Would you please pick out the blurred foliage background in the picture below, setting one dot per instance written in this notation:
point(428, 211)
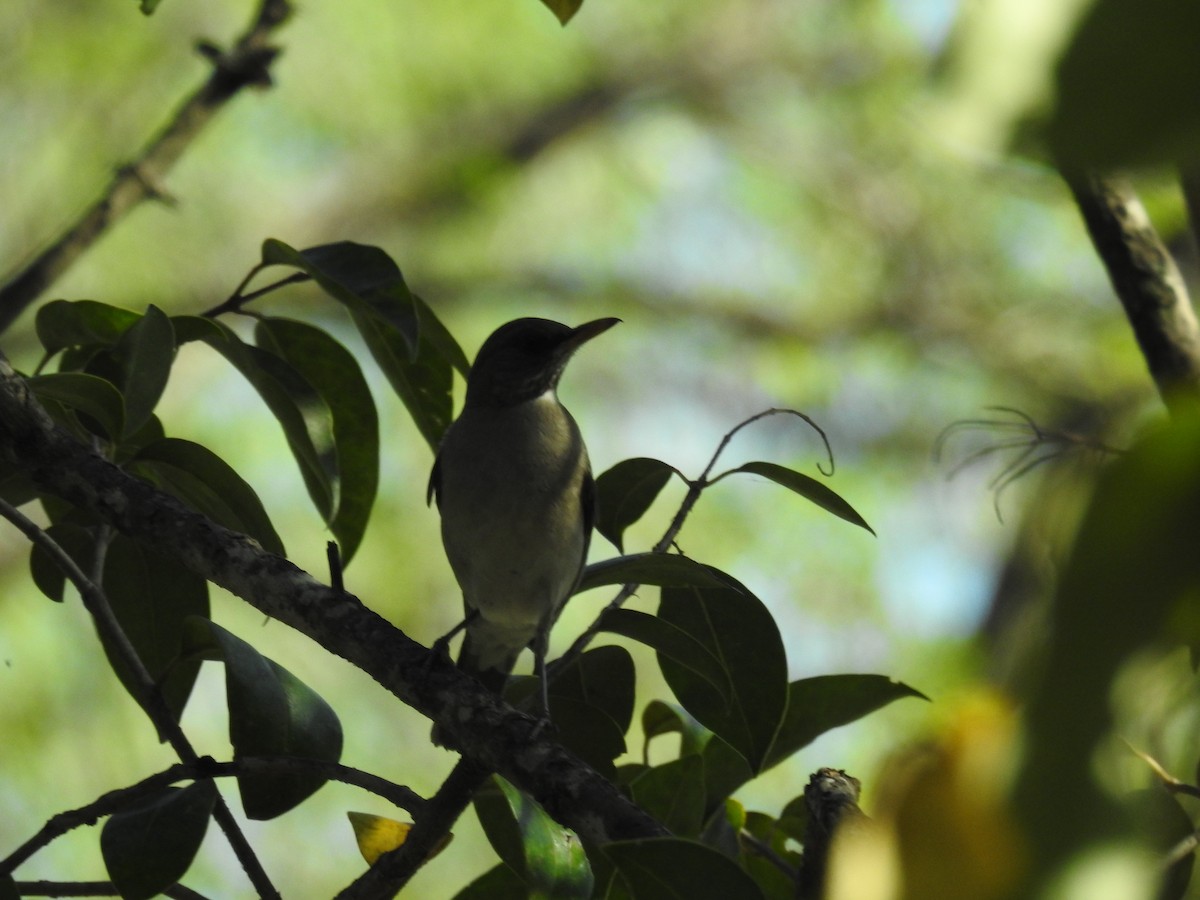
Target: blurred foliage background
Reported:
point(802, 203)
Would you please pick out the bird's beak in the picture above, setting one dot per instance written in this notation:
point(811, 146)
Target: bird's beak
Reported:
point(585, 333)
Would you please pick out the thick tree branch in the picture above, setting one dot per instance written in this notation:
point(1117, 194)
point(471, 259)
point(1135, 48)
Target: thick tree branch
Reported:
point(246, 65)
point(489, 732)
point(1146, 281)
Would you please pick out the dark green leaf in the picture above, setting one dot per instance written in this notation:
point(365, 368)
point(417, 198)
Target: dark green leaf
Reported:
point(725, 770)
point(1125, 86)
point(271, 713)
point(497, 883)
point(306, 419)
point(736, 628)
point(62, 323)
point(149, 846)
point(364, 279)
point(16, 486)
point(423, 383)
point(78, 543)
point(625, 492)
point(678, 869)
point(149, 6)
point(94, 398)
point(145, 352)
point(673, 793)
point(335, 374)
point(440, 339)
point(665, 569)
point(816, 705)
point(208, 484)
point(152, 596)
point(591, 705)
point(806, 487)
point(670, 641)
point(563, 10)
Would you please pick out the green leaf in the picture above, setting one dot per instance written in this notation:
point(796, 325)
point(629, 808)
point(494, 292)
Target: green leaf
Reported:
point(673, 793)
point(363, 278)
point(63, 323)
point(774, 884)
point(208, 484)
point(664, 569)
point(439, 338)
point(736, 628)
point(725, 770)
point(145, 353)
point(422, 382)
point(149, 6)
point(1162, 824)
point(95, 398)
point(78, 542)
point(149, 846)
point(305, 417)
point(1125, 86)
point(591, 705)
point(152, 596)
point(817, 705)
point(547, 857)
point(671, 642)
point(16, 485)
point(625, 492)
point(333, 371)
point(677, 869)
point(806, 487)
point(271, 713)
point(563, 10)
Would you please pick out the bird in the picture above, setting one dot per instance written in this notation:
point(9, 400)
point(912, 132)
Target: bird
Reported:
point(514, 487)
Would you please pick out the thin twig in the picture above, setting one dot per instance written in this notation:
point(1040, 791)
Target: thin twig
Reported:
point(763, 849)
point(237, 299)
point(144, 689)
point(246, 65)
point(93, 889)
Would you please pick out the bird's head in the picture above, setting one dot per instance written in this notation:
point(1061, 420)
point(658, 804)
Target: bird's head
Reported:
point(524, 358)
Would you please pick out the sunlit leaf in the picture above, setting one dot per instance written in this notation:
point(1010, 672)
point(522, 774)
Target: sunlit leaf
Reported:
point(548, 858)
point(625, 492)
point(334, 373)
point(149, 846)
point(806, 487)
point(660, 717)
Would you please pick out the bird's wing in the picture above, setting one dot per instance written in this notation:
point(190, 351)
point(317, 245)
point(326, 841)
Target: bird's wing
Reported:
point(587, 504)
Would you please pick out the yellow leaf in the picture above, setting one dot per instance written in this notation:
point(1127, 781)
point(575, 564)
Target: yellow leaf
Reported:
point(376, 835)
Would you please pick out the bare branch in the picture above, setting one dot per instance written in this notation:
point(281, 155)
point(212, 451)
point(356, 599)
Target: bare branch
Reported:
point(1147, 283)
point(246, 65)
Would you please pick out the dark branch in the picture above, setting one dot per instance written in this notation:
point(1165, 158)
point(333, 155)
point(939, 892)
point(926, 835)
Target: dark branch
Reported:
point(246, 65)
point(1147, 282)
